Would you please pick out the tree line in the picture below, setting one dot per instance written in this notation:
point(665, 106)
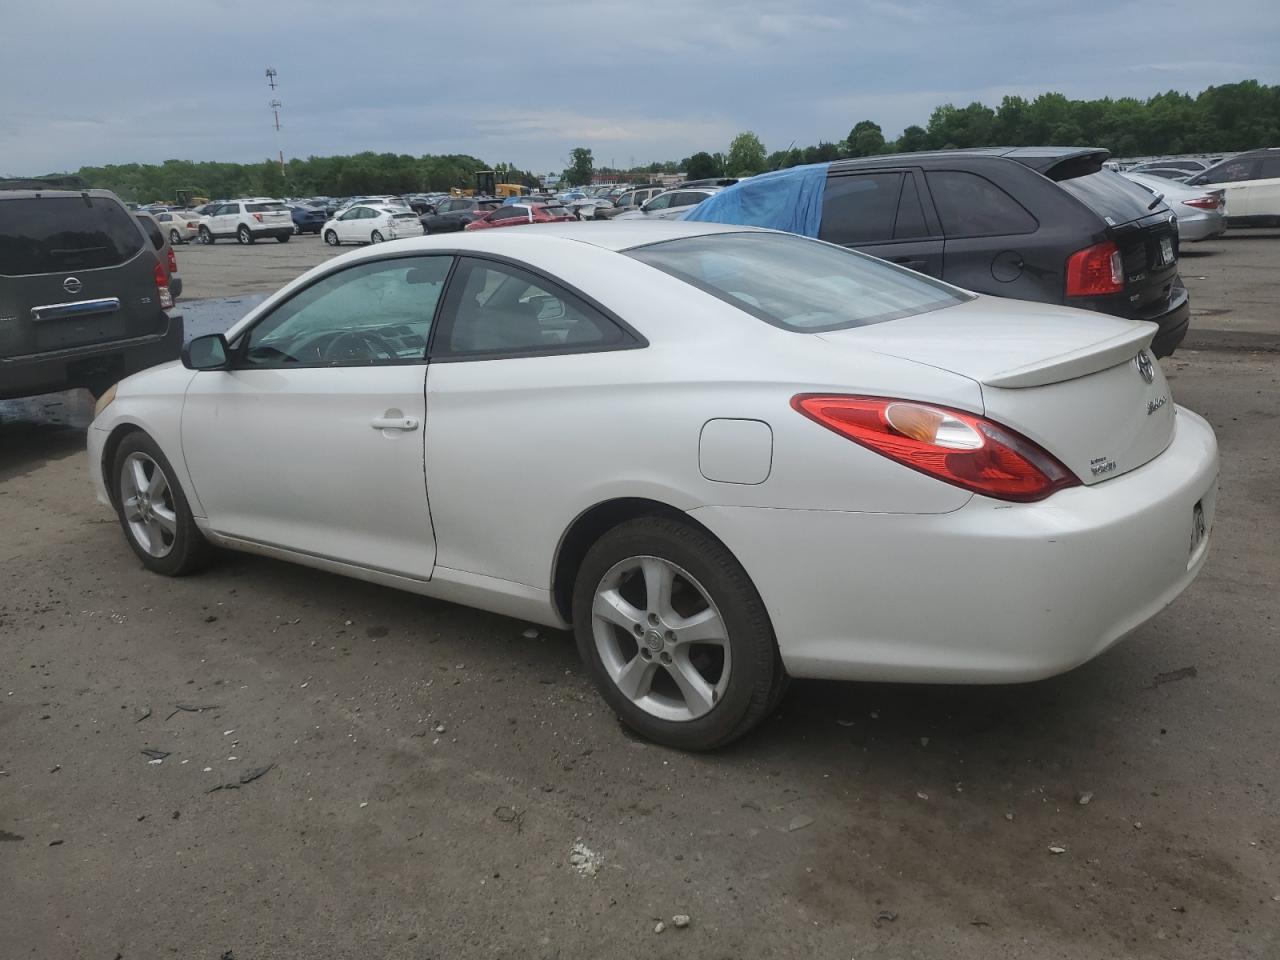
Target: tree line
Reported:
point(1220, 119)
point(344, 176)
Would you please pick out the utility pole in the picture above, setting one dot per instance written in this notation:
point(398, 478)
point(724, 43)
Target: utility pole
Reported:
point(275, 106)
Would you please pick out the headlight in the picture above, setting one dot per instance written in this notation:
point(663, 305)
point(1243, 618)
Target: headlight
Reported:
point(104, 401)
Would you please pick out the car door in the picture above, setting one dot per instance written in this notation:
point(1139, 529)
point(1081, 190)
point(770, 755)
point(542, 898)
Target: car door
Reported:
point(508, 347)
point(226, 220)
point(312, 439)
point(349, 226)
point(992, 243)
point(883, 213)
point(1264, 192)
point(1236, 177)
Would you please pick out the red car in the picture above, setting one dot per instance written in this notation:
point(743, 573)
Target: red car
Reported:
point(513, 214)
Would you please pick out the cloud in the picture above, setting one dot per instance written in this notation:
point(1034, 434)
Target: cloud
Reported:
point(525, 83)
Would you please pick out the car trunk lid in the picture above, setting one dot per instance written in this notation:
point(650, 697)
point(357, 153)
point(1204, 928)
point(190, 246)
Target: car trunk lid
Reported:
point(1074, 382)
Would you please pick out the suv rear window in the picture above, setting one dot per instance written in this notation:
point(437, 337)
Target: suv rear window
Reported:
point(260, 207)
point(153, 231)
point(54, 234)
point(795, 283)
point(1110, 196)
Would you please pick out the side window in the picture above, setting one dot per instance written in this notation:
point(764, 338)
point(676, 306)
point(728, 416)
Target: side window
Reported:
point(502, 309)
point(353, 214)
point(1232, 171)
point(626, 200)
point(229, 210)
point(860, 208)
point(370, 314)
point(910, 223)
point(507, 213)
point(688, 199)
point(1268, 168)
point(660, 202)
point(153, 231)
point(972, 206)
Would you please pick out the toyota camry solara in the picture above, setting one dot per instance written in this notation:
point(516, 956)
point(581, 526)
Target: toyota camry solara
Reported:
point(723, 457)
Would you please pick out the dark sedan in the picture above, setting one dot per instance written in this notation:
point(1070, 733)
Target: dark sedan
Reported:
point(454, 213)
point(308, 218)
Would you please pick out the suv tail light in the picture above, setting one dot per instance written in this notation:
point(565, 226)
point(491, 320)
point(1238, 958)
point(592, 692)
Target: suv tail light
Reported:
point(959, 448)
point(1095, 271)
point(162, 286)
point(1211, 202)
point(258, 217)
point(173, 262)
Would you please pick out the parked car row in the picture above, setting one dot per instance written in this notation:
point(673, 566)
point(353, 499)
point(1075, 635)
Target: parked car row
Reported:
point(1250, 181)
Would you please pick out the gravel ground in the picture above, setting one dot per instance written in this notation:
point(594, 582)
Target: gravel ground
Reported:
point(442, 786)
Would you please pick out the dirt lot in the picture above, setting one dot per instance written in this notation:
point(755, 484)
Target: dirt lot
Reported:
point(432, 768)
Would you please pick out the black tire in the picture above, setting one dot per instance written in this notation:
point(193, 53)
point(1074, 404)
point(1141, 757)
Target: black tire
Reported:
point(754, 684)
point(190, 550)
point(331, 238)
point(175, 238)
point(244, 236)
point(297, 229)
point(376, 237)
point(284, 237)
point(205, 236)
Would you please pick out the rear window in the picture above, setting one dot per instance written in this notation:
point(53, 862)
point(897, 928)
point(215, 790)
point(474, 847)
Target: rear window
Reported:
point(1110, 196)
point(54, 234)
point(795, 283)
point(972, 206)
point(263, 207)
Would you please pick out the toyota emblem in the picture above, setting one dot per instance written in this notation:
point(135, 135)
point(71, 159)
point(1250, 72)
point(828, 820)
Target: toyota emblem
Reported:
point(72, 285)
point(1145, 366)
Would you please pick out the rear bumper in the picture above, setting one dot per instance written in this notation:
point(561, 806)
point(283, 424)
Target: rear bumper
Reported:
point(989, 593)
point(271, 232)
point(100, 364)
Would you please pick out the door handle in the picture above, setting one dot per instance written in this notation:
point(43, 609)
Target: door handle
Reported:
point(910, 264)
point(394, 423)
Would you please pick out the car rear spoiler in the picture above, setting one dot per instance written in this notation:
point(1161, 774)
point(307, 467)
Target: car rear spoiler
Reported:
point(1061, 163)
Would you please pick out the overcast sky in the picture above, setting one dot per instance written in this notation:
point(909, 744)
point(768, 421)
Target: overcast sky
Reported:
point(117, 81)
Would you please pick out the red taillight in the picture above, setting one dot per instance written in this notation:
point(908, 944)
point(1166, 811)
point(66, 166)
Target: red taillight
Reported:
point(959, 448)
point(173, 262)
point(1204, 203)
point(258, 217)
point(162, 286)
point(1095, 271)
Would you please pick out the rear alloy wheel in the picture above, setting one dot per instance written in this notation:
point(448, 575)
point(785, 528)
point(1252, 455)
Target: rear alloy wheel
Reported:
point(331, 238)
point(674, 634)
point(205, 235)
point(175, 238)
point(153, 511)
point(244, 236)
point(375, 237)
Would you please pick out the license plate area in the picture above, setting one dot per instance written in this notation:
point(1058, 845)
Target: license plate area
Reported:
point(78, 331)
point(1166, 251)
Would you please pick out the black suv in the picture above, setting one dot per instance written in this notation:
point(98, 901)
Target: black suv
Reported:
point(1034, 223)
point(82, 293)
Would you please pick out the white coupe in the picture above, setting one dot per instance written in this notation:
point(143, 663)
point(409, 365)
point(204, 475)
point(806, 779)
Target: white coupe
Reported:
point(722, 456)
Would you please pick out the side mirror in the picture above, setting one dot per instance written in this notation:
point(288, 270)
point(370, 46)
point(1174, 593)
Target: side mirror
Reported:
point(206, 353)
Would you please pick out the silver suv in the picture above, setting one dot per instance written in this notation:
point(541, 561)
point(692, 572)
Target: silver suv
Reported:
point(671, 204)
point(83, 294)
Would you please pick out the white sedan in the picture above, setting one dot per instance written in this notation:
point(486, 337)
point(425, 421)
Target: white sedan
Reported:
point(371, 223)
point(722, 456)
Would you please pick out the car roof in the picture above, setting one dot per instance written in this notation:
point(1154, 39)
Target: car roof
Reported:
point(1040, 159)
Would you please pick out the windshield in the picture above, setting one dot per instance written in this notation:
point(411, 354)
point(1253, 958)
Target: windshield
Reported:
point(796, 283)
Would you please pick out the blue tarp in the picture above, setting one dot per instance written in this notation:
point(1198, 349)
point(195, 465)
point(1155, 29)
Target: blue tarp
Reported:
point(788, 200)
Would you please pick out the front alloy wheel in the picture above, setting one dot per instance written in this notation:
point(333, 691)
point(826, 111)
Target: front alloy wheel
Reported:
point(153, 510)
point(675, 635)
point(331, 238)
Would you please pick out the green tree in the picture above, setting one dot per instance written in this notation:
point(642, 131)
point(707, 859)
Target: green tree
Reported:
point(581, 167)
point(866, 139)
point(701, 166)
point(913, 138)
point(746, 155)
